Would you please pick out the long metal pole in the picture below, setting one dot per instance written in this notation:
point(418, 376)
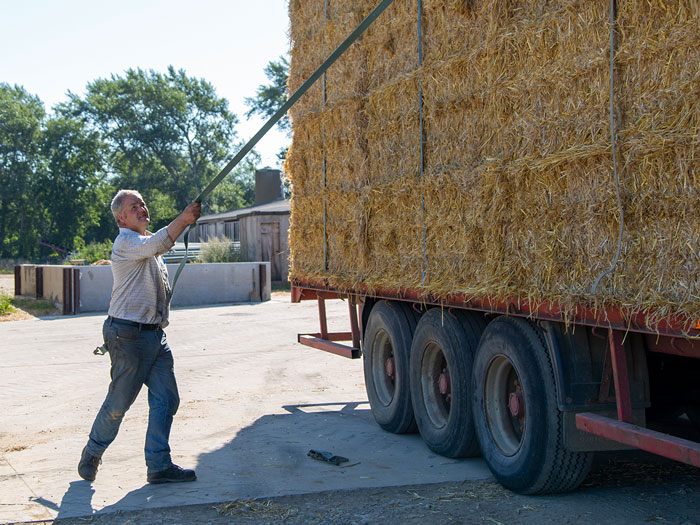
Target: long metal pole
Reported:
point(344, 45)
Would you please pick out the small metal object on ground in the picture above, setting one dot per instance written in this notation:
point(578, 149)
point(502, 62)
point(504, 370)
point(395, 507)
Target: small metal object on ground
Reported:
point(323, 455)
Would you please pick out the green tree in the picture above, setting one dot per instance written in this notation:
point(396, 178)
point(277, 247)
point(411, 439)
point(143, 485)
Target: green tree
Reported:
point(72, 184)
point(163, 134)
point(21, 117)
point(271, 97)
point(237, 190)
point(95, 251)
point(167, 134)
point(101, 227)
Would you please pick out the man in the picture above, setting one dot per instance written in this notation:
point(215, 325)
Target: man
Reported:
point(133, 334)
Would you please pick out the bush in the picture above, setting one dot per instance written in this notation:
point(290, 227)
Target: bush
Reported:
point(95, 251)
point(5, 305)
point(218, 251)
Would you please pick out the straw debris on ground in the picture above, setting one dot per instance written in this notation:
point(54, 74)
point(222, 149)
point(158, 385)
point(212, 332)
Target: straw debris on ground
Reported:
point(255, 510)
point(516, 195)
point(671, 497)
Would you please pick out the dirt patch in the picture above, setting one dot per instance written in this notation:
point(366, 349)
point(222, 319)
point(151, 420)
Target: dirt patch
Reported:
point(17, 315)
point(12, 448)
point(29, 308)
point(23, 307)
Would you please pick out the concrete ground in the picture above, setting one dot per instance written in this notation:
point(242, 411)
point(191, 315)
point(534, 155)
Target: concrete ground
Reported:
point(254, 402)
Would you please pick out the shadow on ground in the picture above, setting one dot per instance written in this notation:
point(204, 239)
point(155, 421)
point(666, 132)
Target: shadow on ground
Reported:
point(270, 458)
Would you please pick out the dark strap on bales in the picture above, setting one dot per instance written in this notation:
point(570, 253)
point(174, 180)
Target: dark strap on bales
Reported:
point(613, 147)
point(422, 145)
point(344, 45)
point(323, 105)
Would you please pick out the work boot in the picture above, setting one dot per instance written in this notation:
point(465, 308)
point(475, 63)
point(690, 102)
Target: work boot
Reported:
point(172, 474)
point(87, 468)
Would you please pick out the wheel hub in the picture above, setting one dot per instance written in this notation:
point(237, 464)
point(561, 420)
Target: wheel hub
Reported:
point(444, 383)
point(389, 367)
point(516, 404)
point(504, 405)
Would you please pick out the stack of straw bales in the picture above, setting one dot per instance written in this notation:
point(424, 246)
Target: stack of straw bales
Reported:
point(517, 196)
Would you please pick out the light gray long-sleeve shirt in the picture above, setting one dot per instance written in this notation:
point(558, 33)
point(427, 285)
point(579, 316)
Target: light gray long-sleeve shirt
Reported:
point(141, 287)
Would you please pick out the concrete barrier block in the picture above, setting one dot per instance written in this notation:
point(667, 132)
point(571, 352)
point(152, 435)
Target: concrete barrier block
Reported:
point(28, 279)
point(199, 284)
point(53, 283)
point(216, 283)
point(95, 288)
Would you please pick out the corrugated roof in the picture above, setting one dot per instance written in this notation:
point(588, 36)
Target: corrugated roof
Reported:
point(278, 207)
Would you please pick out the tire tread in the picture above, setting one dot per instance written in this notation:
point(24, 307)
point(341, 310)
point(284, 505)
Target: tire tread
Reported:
point(560, 470)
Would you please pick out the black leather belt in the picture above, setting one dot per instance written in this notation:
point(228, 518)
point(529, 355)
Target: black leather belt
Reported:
point(140, 326)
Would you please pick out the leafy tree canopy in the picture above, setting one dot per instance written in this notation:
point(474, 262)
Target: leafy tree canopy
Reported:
point(166, 133)
point(21, 119)
point(271, 97)
point(72, 183)
point(237, 190)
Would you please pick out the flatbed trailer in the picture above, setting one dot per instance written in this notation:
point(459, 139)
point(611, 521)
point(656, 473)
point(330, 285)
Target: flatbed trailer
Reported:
point(535, 388)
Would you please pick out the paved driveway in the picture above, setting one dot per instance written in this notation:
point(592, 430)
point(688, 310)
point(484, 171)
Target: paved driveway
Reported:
point(254, 402)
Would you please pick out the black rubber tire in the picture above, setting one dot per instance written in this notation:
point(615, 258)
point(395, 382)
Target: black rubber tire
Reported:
point(388, 335)
point(526, 454)
point(443, 347)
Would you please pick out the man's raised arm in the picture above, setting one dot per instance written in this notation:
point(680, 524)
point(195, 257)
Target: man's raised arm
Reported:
point(189, 216)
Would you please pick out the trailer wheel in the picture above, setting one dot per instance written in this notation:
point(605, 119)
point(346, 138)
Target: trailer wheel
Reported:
point(441, 367)
point(386, 351)
point(518, 423)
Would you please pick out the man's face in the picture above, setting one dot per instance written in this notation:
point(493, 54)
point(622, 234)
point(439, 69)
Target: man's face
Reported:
point(134, 214)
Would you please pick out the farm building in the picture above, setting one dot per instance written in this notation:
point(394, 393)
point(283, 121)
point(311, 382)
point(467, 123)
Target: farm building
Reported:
point(260, 230)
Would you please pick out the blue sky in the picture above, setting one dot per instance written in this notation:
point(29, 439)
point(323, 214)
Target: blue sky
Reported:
point(53, 46)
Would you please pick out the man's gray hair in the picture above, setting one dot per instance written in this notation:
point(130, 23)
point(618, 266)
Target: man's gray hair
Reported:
point(118, 201)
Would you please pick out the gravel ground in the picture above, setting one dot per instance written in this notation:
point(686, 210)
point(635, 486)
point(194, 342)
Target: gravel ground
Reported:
point(7, 284)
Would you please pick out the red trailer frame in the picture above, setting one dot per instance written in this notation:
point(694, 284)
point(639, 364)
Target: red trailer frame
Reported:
point(677, 335)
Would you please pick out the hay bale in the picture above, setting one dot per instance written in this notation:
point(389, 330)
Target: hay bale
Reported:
point(660, 81)
point(516, 196)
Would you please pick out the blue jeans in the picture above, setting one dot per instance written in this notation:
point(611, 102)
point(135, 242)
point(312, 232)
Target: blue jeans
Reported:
point(139, 357)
